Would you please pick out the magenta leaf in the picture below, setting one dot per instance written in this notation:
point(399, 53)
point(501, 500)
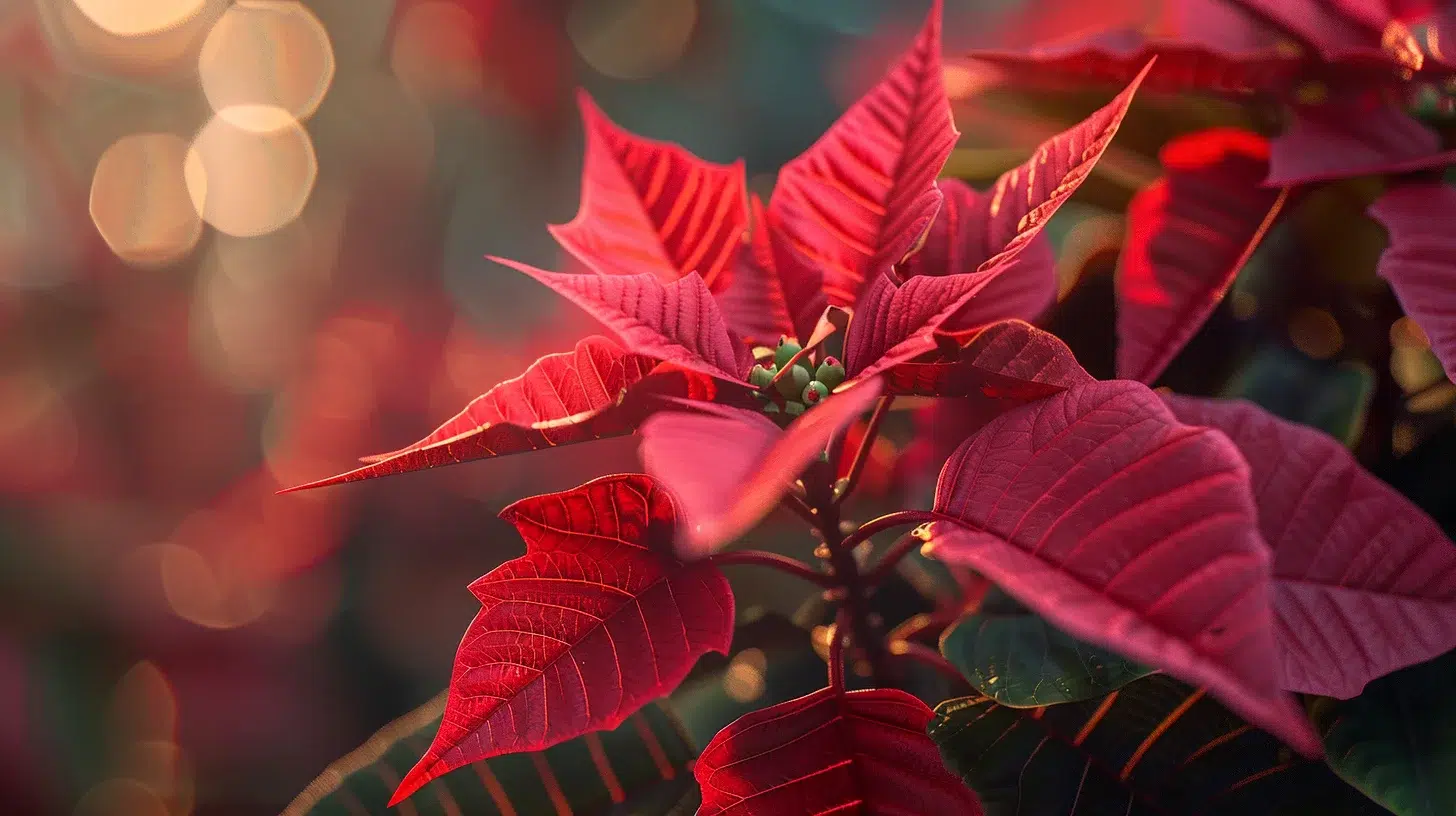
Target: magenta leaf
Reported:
point(754, 302)
point(1009, 360)
point(831, 752)
point(958, 242)
point(1319, 25)
point(729, 468)
point(1187, 237)
point(1420, 262)
point(1124, 528)
point(1364, 582)
point(897, 322)
point(1359, 138)
point(1024, 197)
point(650, 206)
point(597, 619)
point(677, 322)
point(859, 199)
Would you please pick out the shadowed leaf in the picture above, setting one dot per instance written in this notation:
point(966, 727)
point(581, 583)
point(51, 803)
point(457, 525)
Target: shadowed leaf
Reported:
point(1009, 360)
point(754, 303)
point(1344, 140)
point(1420, 262)
point(897, 322)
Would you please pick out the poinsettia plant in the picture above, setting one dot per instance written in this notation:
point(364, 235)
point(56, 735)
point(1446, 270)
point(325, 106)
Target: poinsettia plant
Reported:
point(1143, 584)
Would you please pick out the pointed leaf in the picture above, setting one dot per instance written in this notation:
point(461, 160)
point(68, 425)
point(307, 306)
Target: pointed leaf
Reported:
point(754, 303)
point(597, 619)
point(957, 243)
point(1364, 582)
point(1155, 747)
point(1393, 742)
point(831, 752)
point(1188, 235)
point(1025, 197)
point(1420, 262)
point(1122, 527)
point(652, 207)
point(678, 322)
point(730, 468)
point(859, 199)
point(1344, 140)
point(1018, 659)
point(635, 763)
point(1011, 359)
point(897, 322)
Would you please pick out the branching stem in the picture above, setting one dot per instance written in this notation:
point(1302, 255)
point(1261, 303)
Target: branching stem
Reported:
point(846, 486)
point(782, 563)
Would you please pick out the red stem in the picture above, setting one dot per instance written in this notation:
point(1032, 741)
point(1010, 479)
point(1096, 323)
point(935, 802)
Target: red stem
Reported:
point(886, 522)
point(782, 563)
point(862, 454)
point(836, 649)
point(929, 657)
point(906, 544)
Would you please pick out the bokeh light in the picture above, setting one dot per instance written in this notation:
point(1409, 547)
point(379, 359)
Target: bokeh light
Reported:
point(1316, 333)
point(250, 169)
point(274, 54)
point(435, 54)
point(139, 201)
point(631, 39)
point(132, 18)
point(744, 682)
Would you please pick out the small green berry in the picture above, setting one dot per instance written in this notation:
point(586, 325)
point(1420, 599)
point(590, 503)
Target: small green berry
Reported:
point(792, 384)
point(793, 408)
point(771, 408)
point(814, 393)
point(830, 372)
point(760, 377)
point(786, 351)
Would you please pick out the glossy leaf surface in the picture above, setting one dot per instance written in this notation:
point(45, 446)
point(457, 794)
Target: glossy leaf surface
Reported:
point(1187, 237)
point(1018, 659)
point(830, 752)
point(1420, 262)
point(596, 620)
point(1364, 582)
point(641, 765)
point(1127, 529)
point(858, 200)
point(1156, 747)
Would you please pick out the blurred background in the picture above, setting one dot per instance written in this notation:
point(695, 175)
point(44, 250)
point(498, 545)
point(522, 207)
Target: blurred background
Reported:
point(241, 244)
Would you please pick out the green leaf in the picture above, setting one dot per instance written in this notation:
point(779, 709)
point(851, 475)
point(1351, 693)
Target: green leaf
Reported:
point(1156, 747)
point(640, 768)
point(1328, 395)
point(1397, 740)
point(1012, 656)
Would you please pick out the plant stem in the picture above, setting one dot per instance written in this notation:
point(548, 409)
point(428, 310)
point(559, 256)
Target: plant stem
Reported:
point(929, 657)
point(836, 650)
point(782, 563)
point(888, 521)
point(903, 546)
point(797, 504)
point(847, 485)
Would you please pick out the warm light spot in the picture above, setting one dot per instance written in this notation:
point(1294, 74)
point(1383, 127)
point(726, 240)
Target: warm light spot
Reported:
point(1407, 333)
point(819, 638)
point(1244, 305)
point(631, 39)
point(139, 200)
point(1312, 93)
point(143, 706)
point(134, 18)
point(1438, 397)
point(1402, 46)
point(435, 54)
point(960, 81)
point(274, 54)
point(1415, 368)
point(121, 797)
point(250, 170)
point(744, 682)
point(1402, 438)
point(210, 597)
point(1088, 239)
point(1316, 333)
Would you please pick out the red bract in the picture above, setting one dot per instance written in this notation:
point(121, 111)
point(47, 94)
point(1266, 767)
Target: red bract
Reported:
point(1420, 262)
point(828, 752)
point(1011, 360)
point(1125, 528)
point(1340, 140)
point(597, 619)
point(1364, 582)
point(1187, 237)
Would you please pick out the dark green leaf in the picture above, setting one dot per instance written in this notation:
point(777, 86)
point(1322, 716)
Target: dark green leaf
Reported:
point(638, 768)
point(1331, 396)
point(1156, 747)
point(1016, 658)
point(1397, 740)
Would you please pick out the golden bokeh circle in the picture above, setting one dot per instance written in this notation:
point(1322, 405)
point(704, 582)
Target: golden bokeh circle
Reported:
point(274, 54)
point(250, 170)
point(139, 200)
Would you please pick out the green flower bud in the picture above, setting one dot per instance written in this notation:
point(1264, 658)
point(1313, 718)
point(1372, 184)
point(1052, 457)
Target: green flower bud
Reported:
point(814, 393)
point(786, 351)
point(793, 408)
point(830, 372)
point(792, 384)
point(771, 408)
point(760, 377)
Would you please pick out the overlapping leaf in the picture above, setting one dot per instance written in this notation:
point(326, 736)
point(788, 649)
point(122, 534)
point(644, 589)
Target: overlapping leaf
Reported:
point(1127, 529)
point(730, 467)
point(859, 199)
point(641, 765)
point(1187, 237)
point(1347, 139)
point(597, 619)
point(1420, 262)
point(677, 322)
point(1009, 360)
point(1157, 746)
point(897, 322)
point(652, 207)
point(831, 752)
point(1018, 659)
point(1364, 582)
point(754, 302)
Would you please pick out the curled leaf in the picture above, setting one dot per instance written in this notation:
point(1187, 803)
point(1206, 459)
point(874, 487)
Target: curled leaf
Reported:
point(1420, 262)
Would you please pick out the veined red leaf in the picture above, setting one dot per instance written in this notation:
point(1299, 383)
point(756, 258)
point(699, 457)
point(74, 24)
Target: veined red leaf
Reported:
point(859, 199)
point(1343, 140)
point(730, 468)
point(1364, 582)
point(561, 399)
point(831, 752)
point(1319, 25)
point(1025, 197)
point(676, 322)
point(1420, 262)
point(754, 303)
point(597, 619)
point(652, 207)
point(897, 322)
point(1011, 359)
point(1127, 529)
point(1187, 237)
point(957, 243)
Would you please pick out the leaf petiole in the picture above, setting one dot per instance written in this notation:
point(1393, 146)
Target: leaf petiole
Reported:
point(782, 563)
